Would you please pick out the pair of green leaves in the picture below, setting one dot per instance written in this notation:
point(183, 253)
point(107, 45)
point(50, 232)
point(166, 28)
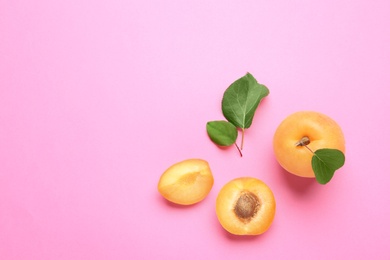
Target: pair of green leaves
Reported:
point(239, 104)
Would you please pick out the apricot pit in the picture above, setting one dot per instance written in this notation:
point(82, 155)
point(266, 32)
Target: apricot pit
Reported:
point(246, 206)
point(186, 182)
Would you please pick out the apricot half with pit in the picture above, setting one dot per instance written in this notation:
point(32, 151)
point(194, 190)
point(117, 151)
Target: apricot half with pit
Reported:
point(186, 182)
point(245, 206)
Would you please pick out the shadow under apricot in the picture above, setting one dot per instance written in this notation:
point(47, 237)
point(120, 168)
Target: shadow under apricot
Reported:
point(174, 205)
point(239, 238)
point(298, 185)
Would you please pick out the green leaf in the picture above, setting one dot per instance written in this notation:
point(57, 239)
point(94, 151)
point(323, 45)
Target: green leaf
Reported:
point(222, 132)
point(325, 162)
point(241, 100)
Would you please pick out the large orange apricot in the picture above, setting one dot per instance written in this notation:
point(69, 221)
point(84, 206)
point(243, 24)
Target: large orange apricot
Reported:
point(245, 206)
point(306, 128)
point(186, 182)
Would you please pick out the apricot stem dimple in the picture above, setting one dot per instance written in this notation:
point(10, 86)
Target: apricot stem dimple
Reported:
point(303, 142)
point(247, 206)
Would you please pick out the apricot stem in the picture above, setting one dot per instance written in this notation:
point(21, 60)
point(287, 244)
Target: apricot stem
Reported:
point(309, 149)
point(238, 148)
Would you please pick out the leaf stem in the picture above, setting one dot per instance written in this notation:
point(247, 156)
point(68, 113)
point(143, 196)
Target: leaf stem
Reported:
point(242, 138)
point(238, 148)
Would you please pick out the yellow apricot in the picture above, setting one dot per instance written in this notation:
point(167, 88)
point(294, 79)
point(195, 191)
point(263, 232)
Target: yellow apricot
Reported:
point(245, 206)
point(186, 182)
point(302, 128)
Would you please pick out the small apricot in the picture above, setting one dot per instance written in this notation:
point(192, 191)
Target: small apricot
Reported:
point(245, 206)
point(186, 182)
point(305, 128)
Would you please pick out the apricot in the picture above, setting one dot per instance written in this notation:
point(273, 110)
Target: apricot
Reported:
point(186, 182)
point(301, 134)
point(245, 206)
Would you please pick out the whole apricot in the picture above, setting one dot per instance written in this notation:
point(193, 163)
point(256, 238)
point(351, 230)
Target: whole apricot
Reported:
point(186, 182)
point(301, 134)
point(245, 206)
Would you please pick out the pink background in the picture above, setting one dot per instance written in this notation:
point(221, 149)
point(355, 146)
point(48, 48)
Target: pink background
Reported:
point(98, 98)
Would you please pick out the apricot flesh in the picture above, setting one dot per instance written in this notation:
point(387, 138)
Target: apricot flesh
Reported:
point(186, 182)
point(310, 128)
point(245, 206)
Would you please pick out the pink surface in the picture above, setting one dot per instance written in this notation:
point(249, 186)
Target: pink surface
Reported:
point(98, 98)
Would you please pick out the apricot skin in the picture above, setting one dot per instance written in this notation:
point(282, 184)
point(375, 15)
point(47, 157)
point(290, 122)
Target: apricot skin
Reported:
point(263, 212)
point(322, 131)
point(186, 182)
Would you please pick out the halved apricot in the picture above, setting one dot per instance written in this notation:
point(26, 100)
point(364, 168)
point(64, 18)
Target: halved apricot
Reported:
point(245, 206)
point(186, 182)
